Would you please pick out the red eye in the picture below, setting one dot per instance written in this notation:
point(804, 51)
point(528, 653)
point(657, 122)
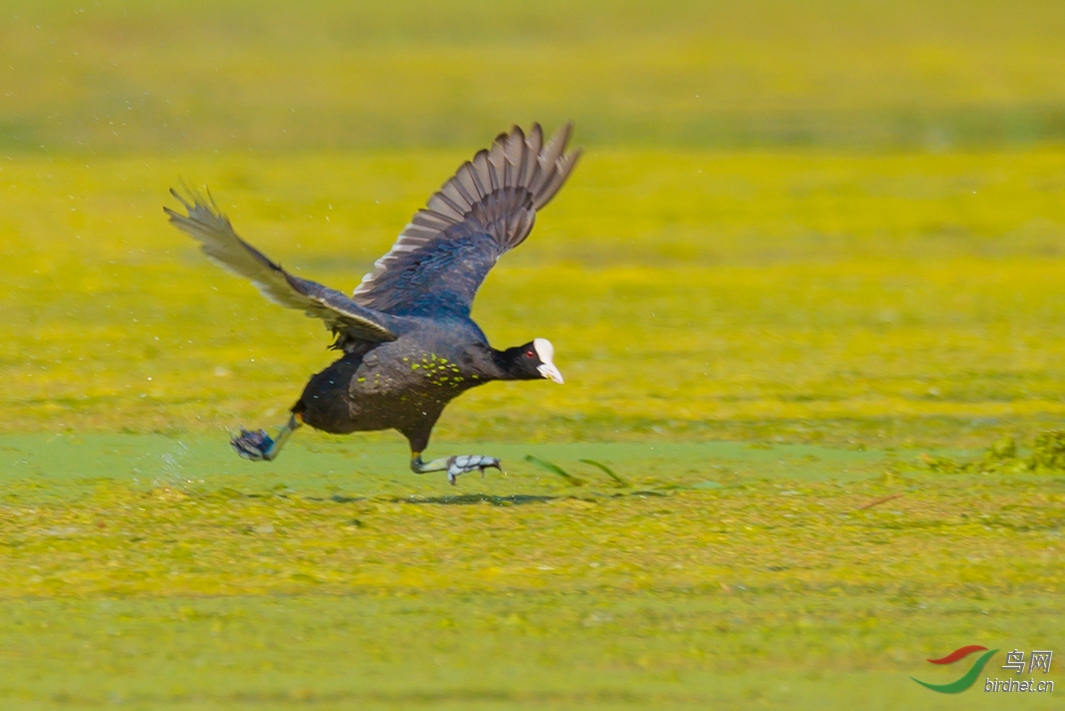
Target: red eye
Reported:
point(528, 354)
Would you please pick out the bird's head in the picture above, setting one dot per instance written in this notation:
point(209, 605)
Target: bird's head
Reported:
point(532, 361)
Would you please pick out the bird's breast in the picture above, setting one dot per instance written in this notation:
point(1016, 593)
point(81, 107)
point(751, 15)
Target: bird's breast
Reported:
point(429, 371)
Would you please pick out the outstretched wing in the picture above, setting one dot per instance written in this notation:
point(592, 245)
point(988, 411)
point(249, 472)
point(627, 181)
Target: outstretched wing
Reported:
point(487, 208)
point(206, 224)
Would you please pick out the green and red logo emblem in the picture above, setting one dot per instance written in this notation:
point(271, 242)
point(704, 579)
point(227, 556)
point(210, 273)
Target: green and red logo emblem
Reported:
point(968, 678)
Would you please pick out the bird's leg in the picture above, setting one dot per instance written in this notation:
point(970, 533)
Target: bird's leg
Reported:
point(453, 465)
point(258, 445)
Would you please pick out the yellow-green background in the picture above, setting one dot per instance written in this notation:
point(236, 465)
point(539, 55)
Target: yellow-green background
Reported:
point(807, 243)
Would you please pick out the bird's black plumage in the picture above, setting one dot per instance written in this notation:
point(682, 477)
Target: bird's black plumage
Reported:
point(409, 344)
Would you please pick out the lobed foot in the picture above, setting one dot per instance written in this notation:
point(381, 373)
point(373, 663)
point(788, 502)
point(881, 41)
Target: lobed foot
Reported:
point(464, 463)
point(255, 446)
point(259, 446)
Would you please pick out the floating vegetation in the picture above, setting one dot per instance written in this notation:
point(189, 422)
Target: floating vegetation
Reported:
point(547, 466)
point(606, 470)
point(698, 283)
point(554, 469)
point(854, 333)
point(1047, 456)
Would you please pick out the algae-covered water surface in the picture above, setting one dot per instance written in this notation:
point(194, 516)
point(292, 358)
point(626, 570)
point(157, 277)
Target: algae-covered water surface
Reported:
point(150, 571)
point(806, 287)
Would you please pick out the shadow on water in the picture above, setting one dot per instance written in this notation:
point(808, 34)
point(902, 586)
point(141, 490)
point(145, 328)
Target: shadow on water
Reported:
point(468, 499)
point(464, 499)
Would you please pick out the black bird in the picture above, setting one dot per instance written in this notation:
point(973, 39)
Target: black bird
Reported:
point(409, 343)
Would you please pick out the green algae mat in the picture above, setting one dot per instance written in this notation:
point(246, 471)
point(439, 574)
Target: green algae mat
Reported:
point(807, 289)
point(159, 572)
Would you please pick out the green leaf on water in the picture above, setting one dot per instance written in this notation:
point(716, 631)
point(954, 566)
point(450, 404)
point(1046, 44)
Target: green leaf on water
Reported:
point(609, 472)
point(554, 469)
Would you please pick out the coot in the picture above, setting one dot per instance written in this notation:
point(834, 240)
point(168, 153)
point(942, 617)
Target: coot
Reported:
point(409, 344)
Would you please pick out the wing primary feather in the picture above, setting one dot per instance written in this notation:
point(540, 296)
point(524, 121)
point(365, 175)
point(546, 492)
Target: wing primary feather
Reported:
point(426, 219)
point(551, 188)
point(485, 209)
point(496, 160)
point(512, 154)
point(459, 209)
point(557, 145)
point(528, 159)
point(535, 139)
point(443, 216)
point(213, 230)
point(463, 172)
point(180, 198)
point(471, 182)
point(421, 233)
point(480, 172)
point(452, 192)
point(442, 207)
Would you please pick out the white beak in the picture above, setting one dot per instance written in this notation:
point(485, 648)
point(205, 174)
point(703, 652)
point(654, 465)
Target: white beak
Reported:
point(546, 352)
point(548, 370)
